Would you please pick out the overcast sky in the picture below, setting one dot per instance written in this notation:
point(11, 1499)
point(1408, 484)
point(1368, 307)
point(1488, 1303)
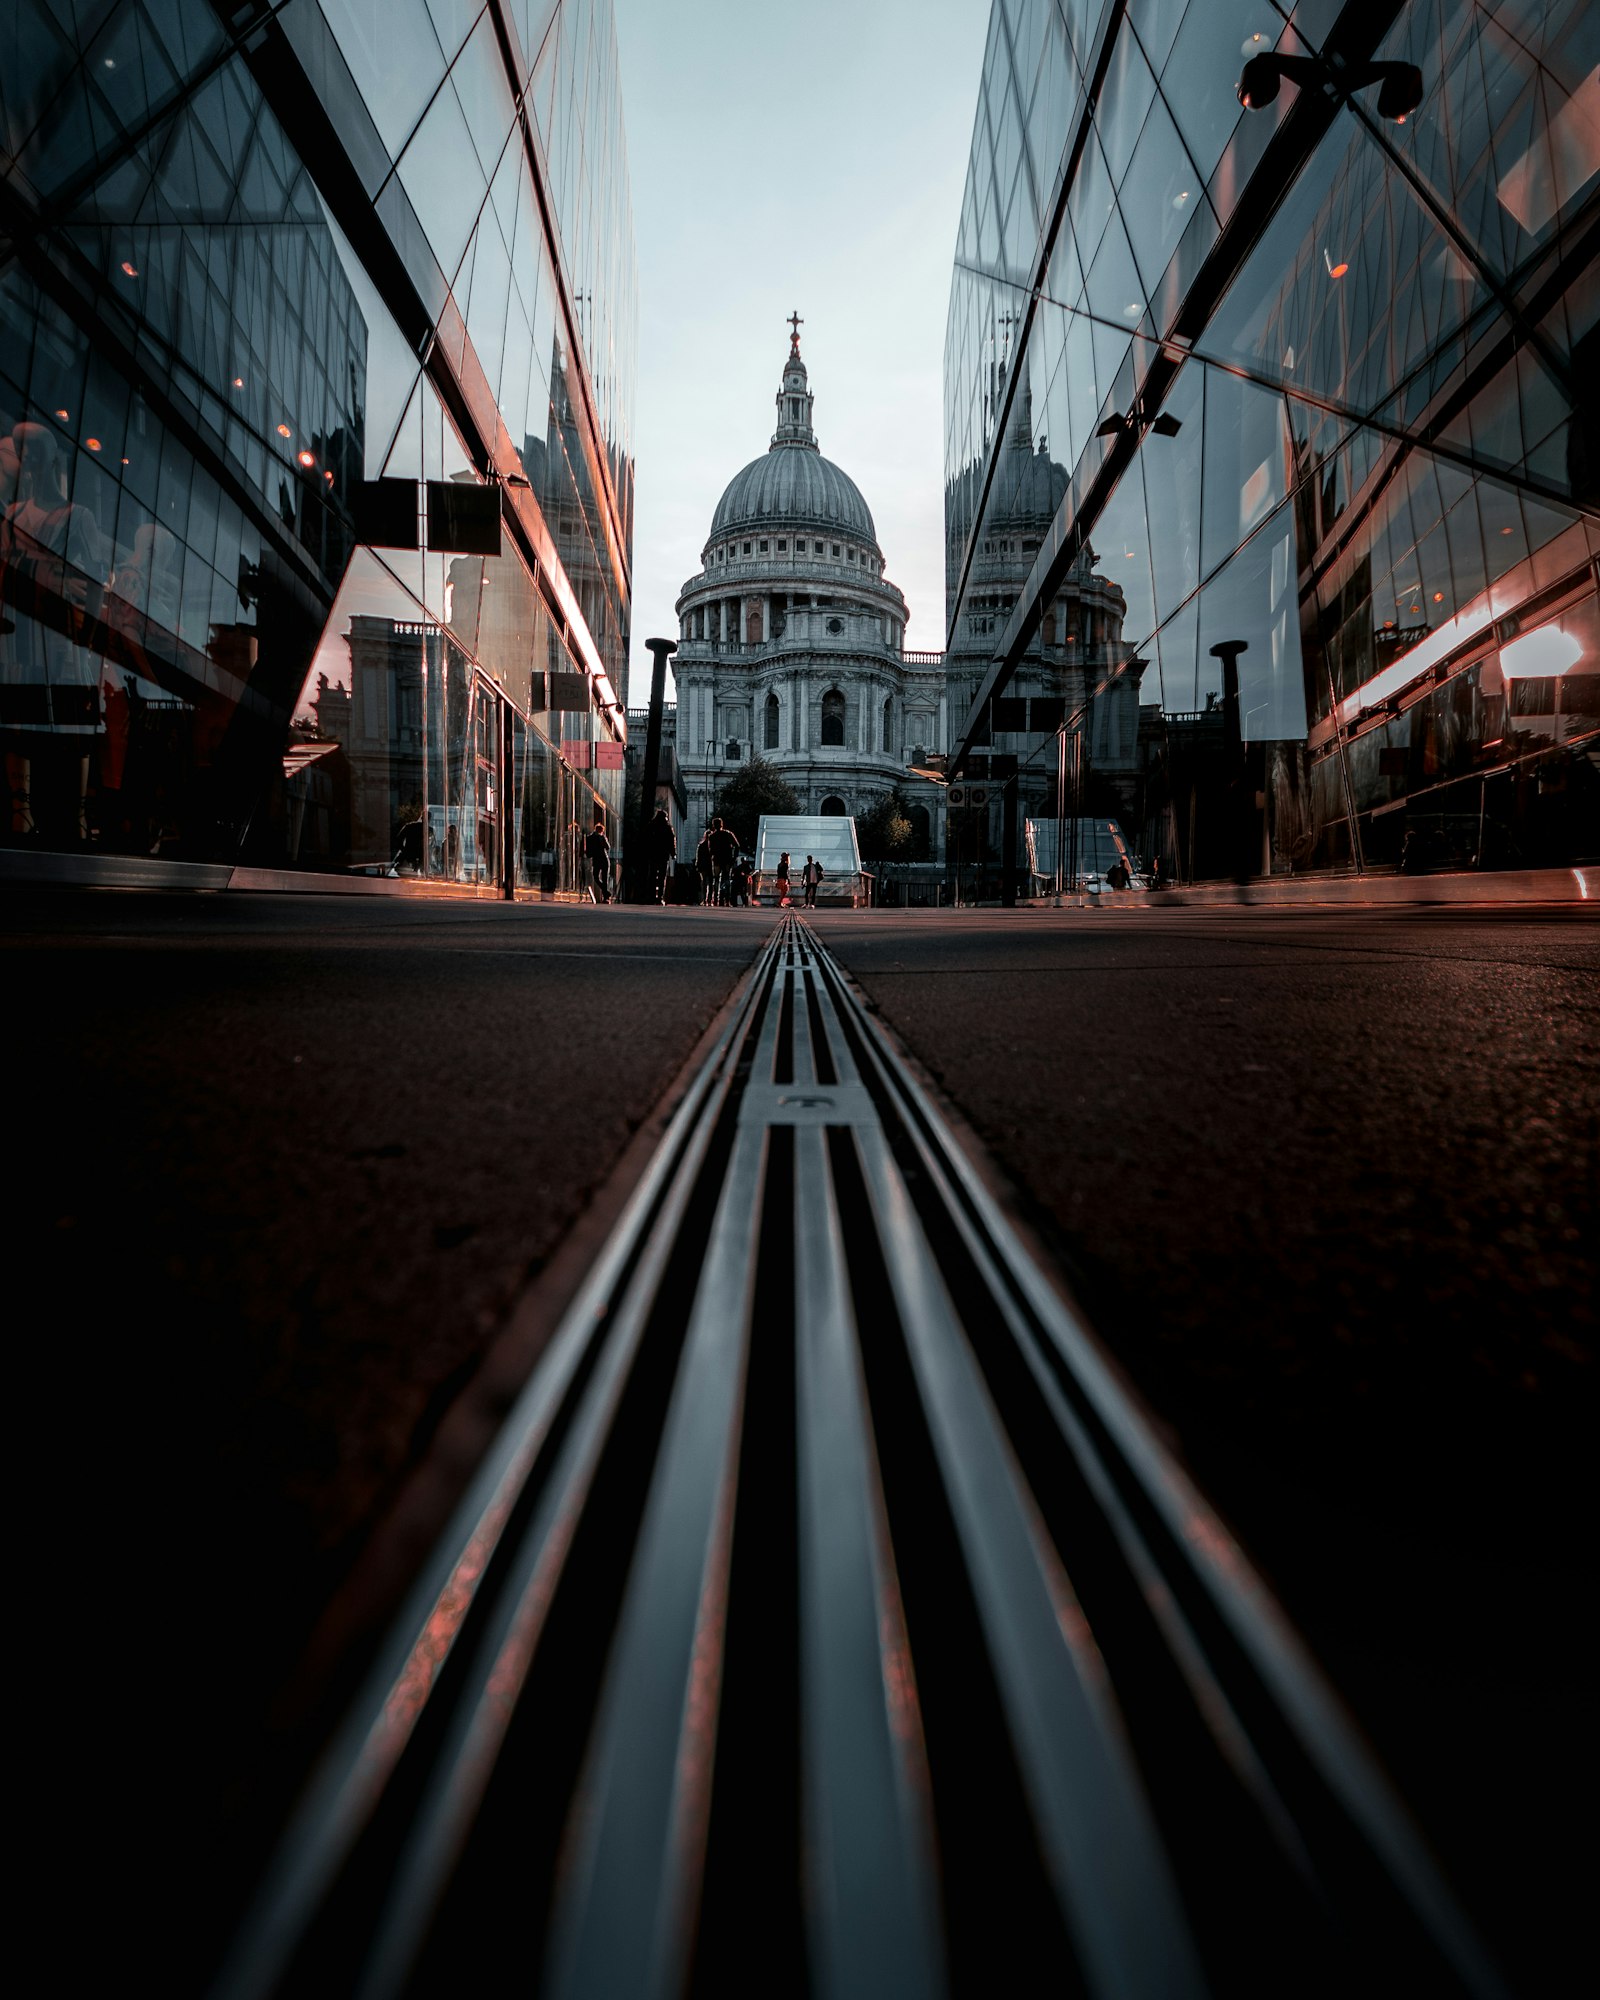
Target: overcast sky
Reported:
point(794, 158)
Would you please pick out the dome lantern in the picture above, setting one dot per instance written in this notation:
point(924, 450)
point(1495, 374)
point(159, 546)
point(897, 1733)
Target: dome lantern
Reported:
point(794, 398)
point(792, 485)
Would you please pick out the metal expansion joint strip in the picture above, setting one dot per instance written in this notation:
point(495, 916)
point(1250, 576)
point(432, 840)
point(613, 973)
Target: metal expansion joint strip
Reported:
point(827, 1604)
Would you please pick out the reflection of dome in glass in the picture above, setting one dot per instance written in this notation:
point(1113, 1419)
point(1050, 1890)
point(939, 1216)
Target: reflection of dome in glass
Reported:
point(794, 484)
point(1035, 484)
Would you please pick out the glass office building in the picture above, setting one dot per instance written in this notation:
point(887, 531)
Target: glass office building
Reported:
point(317, 342)
point(1289, 419)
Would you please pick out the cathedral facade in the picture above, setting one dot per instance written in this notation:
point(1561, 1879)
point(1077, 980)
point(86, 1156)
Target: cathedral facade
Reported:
point(791, 641)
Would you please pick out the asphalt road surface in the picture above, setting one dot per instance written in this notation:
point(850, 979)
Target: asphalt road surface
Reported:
point(1329, 1188)
point(283, 1168)
point(280, 1168)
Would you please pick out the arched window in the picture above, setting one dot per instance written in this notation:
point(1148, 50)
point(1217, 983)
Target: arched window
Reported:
point(888, 722)
point(833, 720)
point(833, 807)
point(771, 737)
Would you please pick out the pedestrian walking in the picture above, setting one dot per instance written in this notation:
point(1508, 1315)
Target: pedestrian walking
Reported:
point(724, 852)
point(662, 852)
point(597, 851)
point(783, 880)
point(810, 878)
point(705, 867)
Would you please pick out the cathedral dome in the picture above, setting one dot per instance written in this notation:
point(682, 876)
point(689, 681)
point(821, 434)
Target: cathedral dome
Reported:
point(794, 484)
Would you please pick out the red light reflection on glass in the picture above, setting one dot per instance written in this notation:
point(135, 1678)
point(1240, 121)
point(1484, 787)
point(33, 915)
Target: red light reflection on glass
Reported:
point(129, 270)
point(92, 443)
point(306, 457)
point(284, 431)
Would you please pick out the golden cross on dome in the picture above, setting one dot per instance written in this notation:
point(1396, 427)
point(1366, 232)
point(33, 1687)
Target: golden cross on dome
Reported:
point(795, 323)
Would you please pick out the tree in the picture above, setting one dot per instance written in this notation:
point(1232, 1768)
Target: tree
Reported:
point(884, 831)
point(754, 789)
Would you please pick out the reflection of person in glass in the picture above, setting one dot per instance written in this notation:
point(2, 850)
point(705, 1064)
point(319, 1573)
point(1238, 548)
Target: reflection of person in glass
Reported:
point(51, 577)
point(597, 849)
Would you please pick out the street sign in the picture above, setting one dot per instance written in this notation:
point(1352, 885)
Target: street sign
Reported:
point(962, 794)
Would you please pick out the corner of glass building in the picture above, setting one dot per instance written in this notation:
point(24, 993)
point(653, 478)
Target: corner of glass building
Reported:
point(317, 346)
point(1272, 477)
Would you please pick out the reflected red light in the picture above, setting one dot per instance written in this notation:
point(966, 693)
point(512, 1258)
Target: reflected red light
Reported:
point(61, 416)
point(129, 270)
point(1438, 597)
point(329, 477)
point(306, 457)
point(238, 381)
point(92, 443)
point(1337, 270)
point(284, 431)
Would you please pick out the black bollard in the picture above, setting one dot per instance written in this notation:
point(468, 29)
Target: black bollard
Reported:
point(638, 850)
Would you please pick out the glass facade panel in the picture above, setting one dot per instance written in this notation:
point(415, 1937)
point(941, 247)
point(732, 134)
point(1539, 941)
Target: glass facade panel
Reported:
point(395, 58)
point(210, 646)
point(1377, 463)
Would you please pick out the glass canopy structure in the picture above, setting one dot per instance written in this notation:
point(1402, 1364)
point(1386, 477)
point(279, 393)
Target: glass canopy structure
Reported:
point(1272, 436)
point(317, 339)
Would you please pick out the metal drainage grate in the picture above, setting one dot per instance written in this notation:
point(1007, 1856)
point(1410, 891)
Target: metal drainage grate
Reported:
point(827, 1620)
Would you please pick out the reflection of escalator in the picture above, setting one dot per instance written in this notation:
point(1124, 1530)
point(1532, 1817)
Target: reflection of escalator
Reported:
point(102, 724)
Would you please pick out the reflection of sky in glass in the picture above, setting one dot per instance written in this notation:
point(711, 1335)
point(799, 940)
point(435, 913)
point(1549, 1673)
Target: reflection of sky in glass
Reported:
point(372, 588)
point(391, 366)
point(1255, 599)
